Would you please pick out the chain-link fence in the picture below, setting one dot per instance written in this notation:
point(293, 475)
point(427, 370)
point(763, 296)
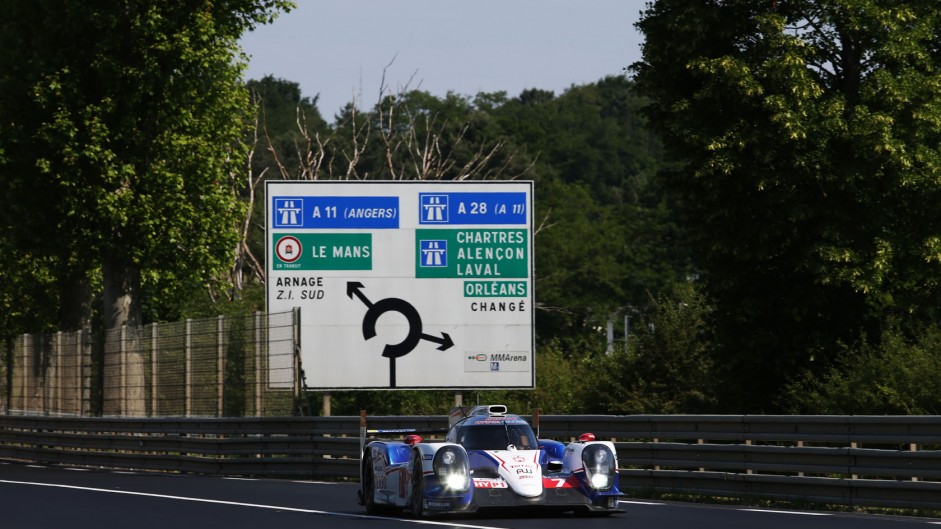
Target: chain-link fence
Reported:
point(212, 367)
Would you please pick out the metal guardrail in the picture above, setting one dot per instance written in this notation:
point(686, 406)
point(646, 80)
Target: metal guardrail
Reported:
point(848, 460)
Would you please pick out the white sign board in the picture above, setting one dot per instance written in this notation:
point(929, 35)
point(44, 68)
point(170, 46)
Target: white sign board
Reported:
point(411, 285)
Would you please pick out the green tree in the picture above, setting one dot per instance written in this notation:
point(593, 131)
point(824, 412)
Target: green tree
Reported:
point(607, 236)
point(667, 366)
point(122, 125)
point(897, 376)
point(809, 139)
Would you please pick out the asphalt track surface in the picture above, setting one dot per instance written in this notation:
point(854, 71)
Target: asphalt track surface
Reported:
point(34, 497)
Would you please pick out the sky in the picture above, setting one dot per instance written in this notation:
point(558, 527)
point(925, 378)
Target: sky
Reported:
point(340, 49)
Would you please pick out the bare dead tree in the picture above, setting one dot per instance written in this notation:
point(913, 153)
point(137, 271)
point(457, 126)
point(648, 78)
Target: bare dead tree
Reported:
point(243, 252)
point(411, 149)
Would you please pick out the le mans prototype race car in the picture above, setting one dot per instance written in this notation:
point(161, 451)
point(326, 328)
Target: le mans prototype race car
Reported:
point(489, 459)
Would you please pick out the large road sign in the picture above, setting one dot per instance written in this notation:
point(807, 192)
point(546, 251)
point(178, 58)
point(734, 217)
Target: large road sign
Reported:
point(406, 284)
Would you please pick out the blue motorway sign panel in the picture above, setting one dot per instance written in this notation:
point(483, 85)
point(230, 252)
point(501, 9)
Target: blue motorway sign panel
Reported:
point(348, 212)
point(472, 209)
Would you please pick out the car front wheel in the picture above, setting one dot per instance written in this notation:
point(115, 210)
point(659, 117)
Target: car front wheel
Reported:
point(418, 491)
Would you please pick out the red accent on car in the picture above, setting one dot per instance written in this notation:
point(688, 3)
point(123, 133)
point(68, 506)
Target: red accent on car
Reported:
point(585, 437)
point(412, 440)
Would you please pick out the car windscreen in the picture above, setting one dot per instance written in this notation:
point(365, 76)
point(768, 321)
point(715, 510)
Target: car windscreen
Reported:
point(500, 436)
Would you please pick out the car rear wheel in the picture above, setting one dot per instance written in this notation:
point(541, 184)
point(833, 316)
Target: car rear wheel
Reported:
point(369, 488)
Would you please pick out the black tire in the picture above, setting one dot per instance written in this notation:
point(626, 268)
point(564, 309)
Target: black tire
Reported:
point(418, 491)
point(369, 488)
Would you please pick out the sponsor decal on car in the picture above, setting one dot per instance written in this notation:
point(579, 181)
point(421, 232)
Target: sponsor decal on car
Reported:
point(441, 505)
point(559, 483)
point(489, 483)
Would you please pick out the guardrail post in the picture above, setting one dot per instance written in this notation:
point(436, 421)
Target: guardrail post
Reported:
point(701, 442)
point(800, 444)
point(913, 447)
point(853, 446)
point(655, 440)
point(747, 470)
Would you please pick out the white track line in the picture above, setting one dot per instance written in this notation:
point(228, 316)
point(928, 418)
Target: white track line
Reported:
point(797, 513)
point(240, 504)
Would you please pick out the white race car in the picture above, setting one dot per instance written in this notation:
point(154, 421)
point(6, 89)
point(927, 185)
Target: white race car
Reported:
point(489, 459)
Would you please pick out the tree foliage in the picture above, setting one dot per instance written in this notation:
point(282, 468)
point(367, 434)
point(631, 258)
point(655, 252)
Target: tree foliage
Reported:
point(809, 137)
point(667, 366)
point(897, 376)
point(122, 125)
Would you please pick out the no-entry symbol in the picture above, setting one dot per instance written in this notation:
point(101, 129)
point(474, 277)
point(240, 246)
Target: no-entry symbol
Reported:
point(288, 249)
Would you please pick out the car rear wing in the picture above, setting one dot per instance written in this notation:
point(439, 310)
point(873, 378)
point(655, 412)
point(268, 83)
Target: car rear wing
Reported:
point(365, 432)
point(457, 414)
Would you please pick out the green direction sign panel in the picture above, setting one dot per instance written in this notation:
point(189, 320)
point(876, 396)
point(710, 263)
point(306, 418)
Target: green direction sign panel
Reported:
point(472, 253)
point(495, 289)
point(322, 251)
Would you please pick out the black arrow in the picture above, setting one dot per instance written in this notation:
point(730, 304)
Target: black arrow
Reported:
point(444, 343)
point(354, 287)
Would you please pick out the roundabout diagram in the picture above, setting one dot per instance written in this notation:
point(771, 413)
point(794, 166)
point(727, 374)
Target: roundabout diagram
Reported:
point(412, 339)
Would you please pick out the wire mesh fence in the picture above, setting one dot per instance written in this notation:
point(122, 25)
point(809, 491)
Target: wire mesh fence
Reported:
point(212, 367)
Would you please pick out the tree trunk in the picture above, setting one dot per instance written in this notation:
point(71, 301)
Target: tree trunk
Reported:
point(122, 285)
point(124, 385)
point(75, 302)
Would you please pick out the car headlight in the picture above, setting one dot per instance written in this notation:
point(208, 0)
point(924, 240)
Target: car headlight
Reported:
point(600, 468)
point(450, 465)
